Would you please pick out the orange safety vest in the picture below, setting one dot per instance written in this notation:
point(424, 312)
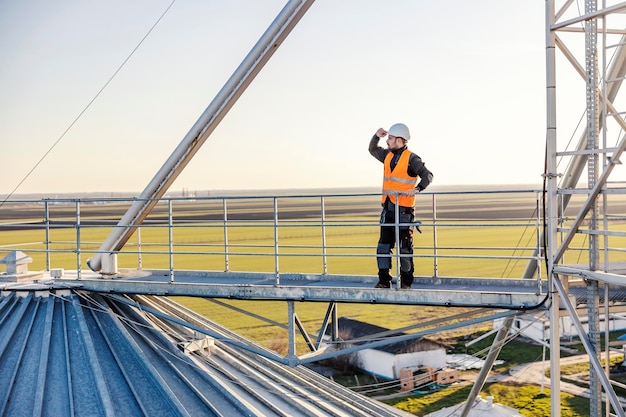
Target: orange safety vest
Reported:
point(398, 180)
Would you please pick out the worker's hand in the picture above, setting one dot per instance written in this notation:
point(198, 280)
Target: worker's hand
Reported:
point(381, 133)
point(412, 192)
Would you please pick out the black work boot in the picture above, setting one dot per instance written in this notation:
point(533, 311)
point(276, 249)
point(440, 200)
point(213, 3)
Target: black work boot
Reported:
point(384, 279)
point(406, 280)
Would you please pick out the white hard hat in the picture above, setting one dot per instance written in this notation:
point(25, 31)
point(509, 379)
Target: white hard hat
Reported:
point(400, 130)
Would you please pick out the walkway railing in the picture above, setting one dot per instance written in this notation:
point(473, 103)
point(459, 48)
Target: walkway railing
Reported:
point(470, 234)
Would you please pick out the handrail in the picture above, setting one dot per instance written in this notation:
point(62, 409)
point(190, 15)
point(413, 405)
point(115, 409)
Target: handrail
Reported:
point(341, 230)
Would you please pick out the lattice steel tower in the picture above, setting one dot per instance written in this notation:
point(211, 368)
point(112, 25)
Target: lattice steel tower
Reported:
point(583, 231)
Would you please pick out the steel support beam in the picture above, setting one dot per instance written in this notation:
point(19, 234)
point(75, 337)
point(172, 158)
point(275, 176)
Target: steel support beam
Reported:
point(507, 297)
point(590, 348)
point(494, 351)
point(256, 59)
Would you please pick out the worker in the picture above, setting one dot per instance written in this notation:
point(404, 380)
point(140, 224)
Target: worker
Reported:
point(402, 169)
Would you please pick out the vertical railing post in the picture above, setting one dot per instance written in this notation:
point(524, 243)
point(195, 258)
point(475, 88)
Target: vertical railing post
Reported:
point(291, 328)
point(47, 223)
point(170, 238)
point(139, 255)
point(78, 261)
point(539, 250)
point(276, 269)
point(397, 230)
point(551, 214)
point(324, 260)
point(435, 259)
point(226, 258)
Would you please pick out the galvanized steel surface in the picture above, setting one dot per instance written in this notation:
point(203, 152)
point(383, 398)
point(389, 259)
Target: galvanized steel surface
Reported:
point(85, 354)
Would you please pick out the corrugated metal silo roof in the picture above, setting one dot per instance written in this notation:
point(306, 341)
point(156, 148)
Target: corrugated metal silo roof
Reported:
point(66, 353)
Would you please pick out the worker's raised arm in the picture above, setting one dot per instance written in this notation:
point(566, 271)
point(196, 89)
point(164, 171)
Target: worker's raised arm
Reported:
point(376, 151)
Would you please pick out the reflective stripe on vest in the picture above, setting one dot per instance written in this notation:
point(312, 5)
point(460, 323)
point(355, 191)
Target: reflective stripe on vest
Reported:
point(398, 180)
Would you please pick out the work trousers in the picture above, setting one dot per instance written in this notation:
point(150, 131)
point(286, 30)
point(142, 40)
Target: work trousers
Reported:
point(387, 240)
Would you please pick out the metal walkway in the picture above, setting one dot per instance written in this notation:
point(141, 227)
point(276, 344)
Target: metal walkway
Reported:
point(313, 234)
point(513, 294)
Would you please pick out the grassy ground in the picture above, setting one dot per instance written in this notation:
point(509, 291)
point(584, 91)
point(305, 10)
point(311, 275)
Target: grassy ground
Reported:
point(527, 400)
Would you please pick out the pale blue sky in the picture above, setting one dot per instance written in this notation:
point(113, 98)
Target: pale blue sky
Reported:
point(468, 78)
